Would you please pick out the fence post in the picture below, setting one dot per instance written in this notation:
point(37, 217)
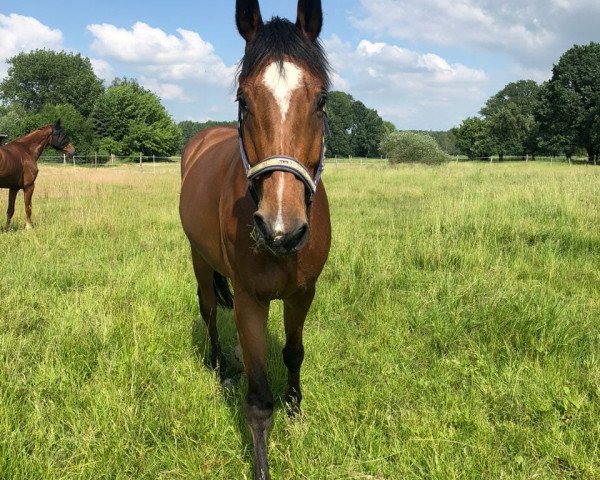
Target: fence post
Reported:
point(95, 159)
point(64, 158)
point(73, 161)
point(154, 162)
point(140, 160)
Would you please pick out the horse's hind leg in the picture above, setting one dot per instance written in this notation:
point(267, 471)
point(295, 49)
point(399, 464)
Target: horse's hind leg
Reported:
point(12, 196)
point(28, 194)
point(295, 311)
point(208, 310)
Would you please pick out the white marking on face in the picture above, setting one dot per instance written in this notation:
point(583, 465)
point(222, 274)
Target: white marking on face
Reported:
point(279, 227)
point(282, 82)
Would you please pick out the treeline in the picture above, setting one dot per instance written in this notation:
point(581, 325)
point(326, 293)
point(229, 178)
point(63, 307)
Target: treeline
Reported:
point(356, 130)
point(558, 117)
point(126, 119)
point(123, 119)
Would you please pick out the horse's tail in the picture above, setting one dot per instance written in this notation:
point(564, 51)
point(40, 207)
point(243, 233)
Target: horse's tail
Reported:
point(222, 291)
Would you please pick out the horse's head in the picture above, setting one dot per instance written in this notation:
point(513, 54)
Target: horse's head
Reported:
point(60, 140)
point(283, 83)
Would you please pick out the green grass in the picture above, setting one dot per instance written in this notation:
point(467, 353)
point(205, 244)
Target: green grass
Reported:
point(455, 333)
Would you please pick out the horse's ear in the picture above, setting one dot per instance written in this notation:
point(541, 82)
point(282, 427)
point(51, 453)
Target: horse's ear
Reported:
point(248, 18)
point(57, 123)
point(310, 18)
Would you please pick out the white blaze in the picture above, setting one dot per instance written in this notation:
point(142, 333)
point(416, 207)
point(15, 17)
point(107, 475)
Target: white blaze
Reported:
point(279, 224)
point(282, 82)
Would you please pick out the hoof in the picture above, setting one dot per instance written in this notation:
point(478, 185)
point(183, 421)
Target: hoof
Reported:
point(29, 226)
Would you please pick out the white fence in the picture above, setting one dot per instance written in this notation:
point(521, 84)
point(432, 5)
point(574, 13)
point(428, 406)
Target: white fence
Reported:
point(141, 160)
point(106, 160)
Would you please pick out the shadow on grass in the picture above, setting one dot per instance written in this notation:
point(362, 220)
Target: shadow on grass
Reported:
point(234, 395)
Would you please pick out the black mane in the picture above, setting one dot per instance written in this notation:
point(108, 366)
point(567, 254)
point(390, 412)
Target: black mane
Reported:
point(279, 39)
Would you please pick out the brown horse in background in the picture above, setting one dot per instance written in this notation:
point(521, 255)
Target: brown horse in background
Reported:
point(18, 163)
point(252, 206)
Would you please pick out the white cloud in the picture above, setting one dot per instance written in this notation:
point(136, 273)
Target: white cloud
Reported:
point(154, 52)
point(405, 86)
point(23, 34)
point(103, 69)
point(533, 32)
point(381, 60)
point(165, 90)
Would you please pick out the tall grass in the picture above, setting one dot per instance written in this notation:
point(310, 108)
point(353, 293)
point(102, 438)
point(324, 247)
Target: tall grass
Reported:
point(455, 333)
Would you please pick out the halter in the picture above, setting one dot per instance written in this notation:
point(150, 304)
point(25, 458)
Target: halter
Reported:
point(283, 163)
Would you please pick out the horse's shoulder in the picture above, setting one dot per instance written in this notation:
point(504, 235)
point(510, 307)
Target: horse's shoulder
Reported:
point(204, 142)
point(13, 152)
point(213, 135)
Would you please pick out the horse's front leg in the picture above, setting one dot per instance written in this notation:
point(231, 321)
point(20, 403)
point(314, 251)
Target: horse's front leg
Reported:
point(12, 196)
point(251, 321)
point(28, 195)
point(295, 311)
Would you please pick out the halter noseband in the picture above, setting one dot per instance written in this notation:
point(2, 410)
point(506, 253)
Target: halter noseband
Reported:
point(59, 139)
point(282, 163)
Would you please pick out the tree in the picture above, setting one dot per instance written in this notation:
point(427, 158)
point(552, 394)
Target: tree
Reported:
point(508, 128)
point(510, 114)
point(341, 119)
point(474, 139)
point(355, 129)
point(445, 140)
point(570, 112)
point(367, 131)
point(135, 121)
point(46, 77)
point(523, 94)
point(11, 120)
point(411, 147)
point(556, 120)
point(389, 127)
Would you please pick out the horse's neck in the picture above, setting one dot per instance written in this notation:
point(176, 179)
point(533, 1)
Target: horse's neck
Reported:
point(35, 142)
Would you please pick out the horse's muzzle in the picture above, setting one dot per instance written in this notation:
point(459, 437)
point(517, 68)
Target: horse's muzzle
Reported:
point(281, 243)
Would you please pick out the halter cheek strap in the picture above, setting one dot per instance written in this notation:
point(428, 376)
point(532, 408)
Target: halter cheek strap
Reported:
point(283, 163)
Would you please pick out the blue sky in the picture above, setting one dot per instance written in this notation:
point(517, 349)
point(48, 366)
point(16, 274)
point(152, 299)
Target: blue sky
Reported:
point(423, 64)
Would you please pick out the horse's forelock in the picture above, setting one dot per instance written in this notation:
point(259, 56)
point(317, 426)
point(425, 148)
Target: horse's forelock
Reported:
point(278, 41)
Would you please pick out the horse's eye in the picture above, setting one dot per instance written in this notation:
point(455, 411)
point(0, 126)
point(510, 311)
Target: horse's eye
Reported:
point(322, 101)
point(242, 101)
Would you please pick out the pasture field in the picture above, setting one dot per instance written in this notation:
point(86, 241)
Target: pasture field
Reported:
point(455, 333)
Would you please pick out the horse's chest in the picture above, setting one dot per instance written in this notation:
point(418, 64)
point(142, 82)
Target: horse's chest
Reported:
point(281, 278)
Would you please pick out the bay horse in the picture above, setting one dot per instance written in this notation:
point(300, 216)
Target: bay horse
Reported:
point(252, 205)
point(18, 163)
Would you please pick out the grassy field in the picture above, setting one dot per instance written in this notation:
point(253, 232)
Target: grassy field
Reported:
point(455, 333)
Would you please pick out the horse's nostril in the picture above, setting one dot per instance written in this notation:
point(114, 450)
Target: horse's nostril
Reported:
point(298, 238)
point(262, 226)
